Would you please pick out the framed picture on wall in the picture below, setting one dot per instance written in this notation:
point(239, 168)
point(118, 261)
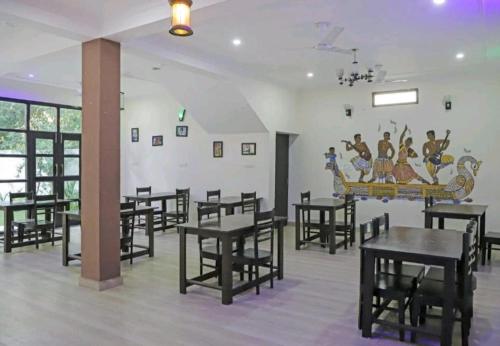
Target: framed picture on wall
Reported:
point(157, 141)
point(248, 148)
point(181, 131)
point(218, 149)
point(135, 134)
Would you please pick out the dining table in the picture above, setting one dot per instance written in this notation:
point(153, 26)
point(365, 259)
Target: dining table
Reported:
point(70, 216)
point(323, 205)
point(228, 229)
point(9, 208)
point(228, 203)
point(148, 199)
point(442, 248)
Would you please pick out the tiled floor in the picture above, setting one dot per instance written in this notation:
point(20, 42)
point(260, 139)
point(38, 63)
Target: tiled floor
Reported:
point(316, 304)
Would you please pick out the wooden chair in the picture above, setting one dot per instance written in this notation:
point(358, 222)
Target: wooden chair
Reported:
point(20, 196)
point(431, 292)
point(181, 212)
point(257, 257)
point(209, 251)
point(347, 227)
point(490, 239)
point(127, 223)
point(310, 226)
point(387, 287)
point(213, 195)
point(248, 202)
point(157, 214)
point(43, 220)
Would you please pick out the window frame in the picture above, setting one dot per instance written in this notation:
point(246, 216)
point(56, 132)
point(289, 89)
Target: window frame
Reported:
point(375, 93)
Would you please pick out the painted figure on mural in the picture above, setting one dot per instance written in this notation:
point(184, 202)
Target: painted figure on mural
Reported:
point(331, 160)
point(403, 172)
point(434, 157)
point(363, 161)
point(383, 165)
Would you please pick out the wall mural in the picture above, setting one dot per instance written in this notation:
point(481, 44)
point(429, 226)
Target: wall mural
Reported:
point(391, 173)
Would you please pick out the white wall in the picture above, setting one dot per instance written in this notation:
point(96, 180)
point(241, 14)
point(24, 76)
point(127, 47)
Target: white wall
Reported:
point(474, 122)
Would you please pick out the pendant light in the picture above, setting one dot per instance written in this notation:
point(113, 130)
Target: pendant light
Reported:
point(181, 17)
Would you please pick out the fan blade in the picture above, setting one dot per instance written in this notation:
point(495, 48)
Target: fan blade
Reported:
point(332, 36)
point(380, 76)
point(334, 50)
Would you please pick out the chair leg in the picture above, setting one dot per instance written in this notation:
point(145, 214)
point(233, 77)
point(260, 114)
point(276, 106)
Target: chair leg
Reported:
point(250, 273)
point(53, 235)
point(423, 313)
point(345, 238)
point(465, 331)
point(257, 288)
point(36, 239)
point(360, 310)
point(483, 253)
point(490, 246)
point(401, 310)
point(272, 276)
point(218, 268)
point(414, 309)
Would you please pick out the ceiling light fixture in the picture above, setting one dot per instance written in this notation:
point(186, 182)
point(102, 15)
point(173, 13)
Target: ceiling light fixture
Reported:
point(460, 56)
point(31, 75)
point(310, 75)
point(237, 42)
point(353, 77)
point(439, 2)
point(181, 17)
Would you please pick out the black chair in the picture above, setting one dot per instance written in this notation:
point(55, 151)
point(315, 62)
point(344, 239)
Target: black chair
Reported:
point(20, 196)
point(490, 239)
point(428, 202)
point(347, 227)
point(213, 195)
point(416, 272)
point(387, 287)
point(249, 202)
point(310, 226)
point(181, 212)
point(157, 214)
point(210, 251)
point(431, 292)
point(257, 257)
point(42, 221)
point(127, 223)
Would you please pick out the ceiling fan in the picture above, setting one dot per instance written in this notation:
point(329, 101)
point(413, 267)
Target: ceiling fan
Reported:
point(327, 43)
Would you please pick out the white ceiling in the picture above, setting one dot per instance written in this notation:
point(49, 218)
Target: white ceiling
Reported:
point(410, 38)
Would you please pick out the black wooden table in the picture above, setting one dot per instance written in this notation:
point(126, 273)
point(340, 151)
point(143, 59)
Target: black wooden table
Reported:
point(323, 205)
point(228, 203)
point(74, 215)
point(9, 209)
point(161, 197)
point(419, 245)
point(458, 212)
point(229, 228)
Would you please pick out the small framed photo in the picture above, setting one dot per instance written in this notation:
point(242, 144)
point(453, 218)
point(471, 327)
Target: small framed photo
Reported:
point(181, 131)
point(135, 134)
point(218, 149)
point(248, 148)
point(157, 141)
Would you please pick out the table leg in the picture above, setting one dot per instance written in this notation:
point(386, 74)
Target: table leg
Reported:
point(7, 227)
point(333, 231)
point(229, 210)
point(482, 231)
point(281, 262)
point(441, 223)
point(297, 228)
point(148, 204)
point(428, 220)
point(150, 232)
point(227, 270)
point(367, 287)
point(182, 259)
point(323, 228)
point(65, 240)
point(449, 297)
point(163, 210)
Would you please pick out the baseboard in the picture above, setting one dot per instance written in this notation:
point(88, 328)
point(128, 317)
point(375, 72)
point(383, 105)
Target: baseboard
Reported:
point(101, 285)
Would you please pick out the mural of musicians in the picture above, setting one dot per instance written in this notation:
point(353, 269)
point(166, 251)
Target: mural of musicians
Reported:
point(403, 172)
point(383, 165)
point(434, 157)
point(363, 161)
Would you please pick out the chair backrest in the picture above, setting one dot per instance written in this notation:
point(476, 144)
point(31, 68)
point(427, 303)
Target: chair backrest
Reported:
point(143, 190)
point(248, 202)
point(20, 196)
point(381, 223)
point(350, 209)
point(469, 257)
point(305, 197)
point(263, 229)
point(182, 201)
point(213, 195)
point(428, 202)
point(367, 231)
point(208, 211)
point(47, 210)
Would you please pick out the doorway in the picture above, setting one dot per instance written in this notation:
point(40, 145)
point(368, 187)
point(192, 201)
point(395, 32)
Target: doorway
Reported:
point(281, 175)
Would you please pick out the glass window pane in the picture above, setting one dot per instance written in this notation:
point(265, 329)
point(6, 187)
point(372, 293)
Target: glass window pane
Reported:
point(71, 147)
point(12, 115)
point(391, 98)
point(13, 143)
point(44, 146)
point(72, 189)
point(44, 188)
point(43, 118)
point(71, 120)
point(44, 166)
point(71, 166)
point(12, 168)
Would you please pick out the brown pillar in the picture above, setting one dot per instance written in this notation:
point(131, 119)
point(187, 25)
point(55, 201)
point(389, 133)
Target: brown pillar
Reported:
point(101, 165)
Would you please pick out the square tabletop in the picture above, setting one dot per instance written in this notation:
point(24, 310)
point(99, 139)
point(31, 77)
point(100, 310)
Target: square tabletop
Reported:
point(30, 203)
point(323, 202)
point(228, 200)
point(152, 196)
point(435, 243)
point(457, 209)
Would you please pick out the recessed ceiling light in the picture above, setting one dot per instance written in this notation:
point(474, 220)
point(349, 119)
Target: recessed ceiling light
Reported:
point(310, 75)
point(237, 42)
point(460, 56)
point(31, 75)
point(439, 2)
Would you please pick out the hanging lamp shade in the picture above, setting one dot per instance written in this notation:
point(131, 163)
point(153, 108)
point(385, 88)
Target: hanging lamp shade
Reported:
point(181, 17)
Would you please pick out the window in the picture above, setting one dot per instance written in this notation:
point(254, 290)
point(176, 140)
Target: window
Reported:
point(71, 120)
point(43, 118)
point(394, 98)
point(12, 115)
